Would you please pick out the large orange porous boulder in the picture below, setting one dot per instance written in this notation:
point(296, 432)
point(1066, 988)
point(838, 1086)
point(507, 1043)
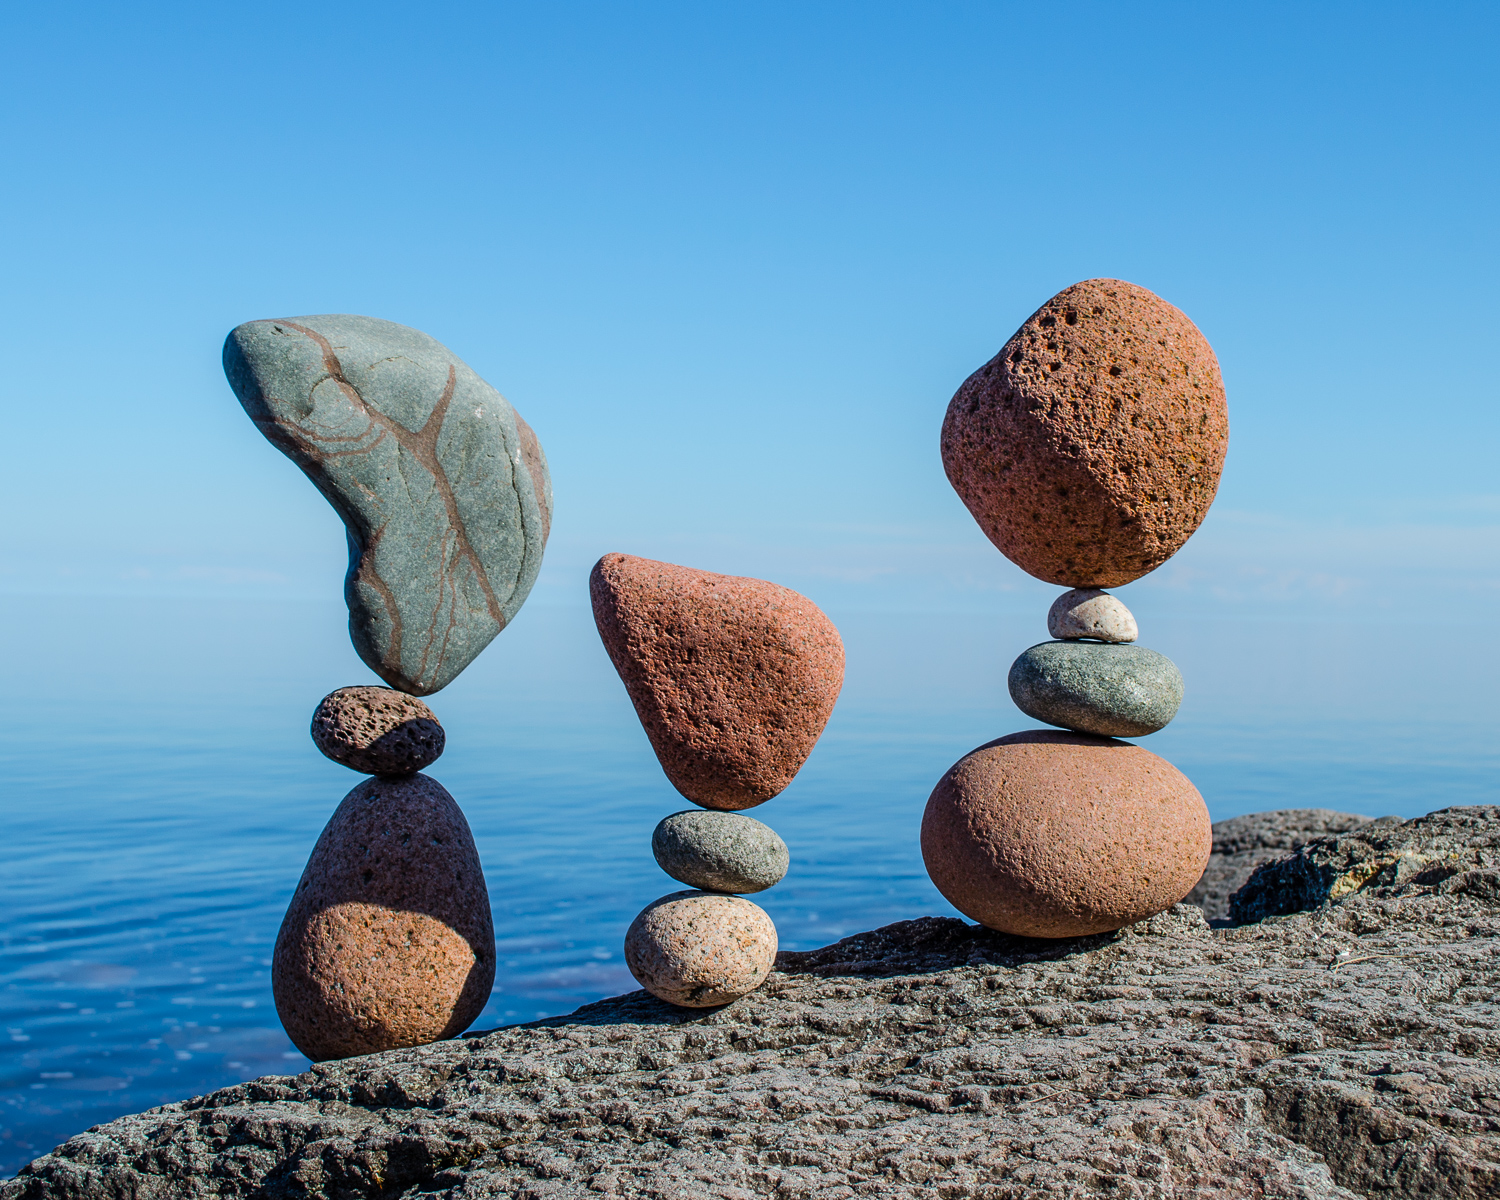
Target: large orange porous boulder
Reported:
point(1090, 447)
point(388, 941)
point(1047, 834)
point(732, 678)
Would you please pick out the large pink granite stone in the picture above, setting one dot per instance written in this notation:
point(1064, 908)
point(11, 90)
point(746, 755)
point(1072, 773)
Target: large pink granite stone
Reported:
point(733, 678)
point(1055, 835)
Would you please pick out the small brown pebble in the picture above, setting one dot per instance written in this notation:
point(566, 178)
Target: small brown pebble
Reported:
point(1090, 447)
point(388, 940)
point(377, 730)
point(699, 949)
point(1054, 835)
point(733, 678)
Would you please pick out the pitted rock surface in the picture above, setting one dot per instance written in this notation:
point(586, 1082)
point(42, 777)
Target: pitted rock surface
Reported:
point(379, 731)
point(1090, 447)
point(733, 678)
point(443, 489)
point(1349, 1051)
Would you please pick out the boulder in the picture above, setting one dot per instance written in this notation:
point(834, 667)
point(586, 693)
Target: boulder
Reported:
point(732, 678)
point(1090, 447)
point(443, 489)
point(388, 940)
point(1058, 835)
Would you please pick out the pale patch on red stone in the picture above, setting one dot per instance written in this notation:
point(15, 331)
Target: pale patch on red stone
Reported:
point(1048, 834)
point(1090, 447)
point(732, 678)
point(388, 941)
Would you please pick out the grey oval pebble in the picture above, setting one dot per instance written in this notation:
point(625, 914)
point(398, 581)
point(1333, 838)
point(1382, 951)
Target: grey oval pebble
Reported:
point(719, 851)
point(1112, 690)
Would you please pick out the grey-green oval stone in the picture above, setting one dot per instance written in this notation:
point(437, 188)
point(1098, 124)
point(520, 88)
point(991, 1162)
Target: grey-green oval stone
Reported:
point(442, 487)
point(719, 851)
point(1112, 690)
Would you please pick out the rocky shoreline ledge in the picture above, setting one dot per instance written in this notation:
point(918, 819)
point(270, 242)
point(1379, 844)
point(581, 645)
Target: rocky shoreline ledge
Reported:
point(1333, 1033)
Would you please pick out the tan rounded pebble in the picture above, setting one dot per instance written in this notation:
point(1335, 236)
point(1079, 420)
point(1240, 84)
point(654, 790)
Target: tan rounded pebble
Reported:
point(377, 730)
point(1046, 834)
point(699, 949)
point(1090, 613)
point(1090, 447)
point(388, 940)
point(732, 678)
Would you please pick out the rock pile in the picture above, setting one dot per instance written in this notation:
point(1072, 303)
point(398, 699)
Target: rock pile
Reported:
point(733, 680)
point(1088, 450)
point(443, 489)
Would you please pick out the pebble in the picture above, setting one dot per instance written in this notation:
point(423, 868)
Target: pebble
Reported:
point(1091, 613)
point(700, 949)
point(443, 488)
point(719, 851)
point(1050, 834)
point(377, 730)
point(1110, 690)
point(388, 940)
point(732, 678)
point(1090, 447)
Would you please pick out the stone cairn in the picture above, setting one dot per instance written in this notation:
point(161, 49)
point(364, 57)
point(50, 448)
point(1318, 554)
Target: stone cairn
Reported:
point(733, 680)
point(1088, 450)
point(444, 492)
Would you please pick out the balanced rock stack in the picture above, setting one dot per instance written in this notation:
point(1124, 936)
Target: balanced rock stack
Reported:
point(1088, 450)
point(733, 680)
point(445, 496)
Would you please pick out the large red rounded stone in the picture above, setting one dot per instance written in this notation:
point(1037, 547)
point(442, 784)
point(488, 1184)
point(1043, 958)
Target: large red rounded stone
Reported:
point(733, 678)
point(1090, 447)
point(388, 941)
point(1048, 834)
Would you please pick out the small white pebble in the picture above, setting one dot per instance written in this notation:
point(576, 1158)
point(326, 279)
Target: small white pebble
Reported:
point(1090, 613)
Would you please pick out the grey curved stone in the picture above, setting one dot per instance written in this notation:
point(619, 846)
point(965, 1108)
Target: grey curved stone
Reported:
point(1111, 690)
point(720, 851)
point(441, 485)
point(1345, 1052)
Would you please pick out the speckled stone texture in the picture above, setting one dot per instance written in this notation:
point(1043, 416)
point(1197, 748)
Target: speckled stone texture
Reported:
point(700, 949)
point(379, 731)
point(1046, 834)
point(442, 487)
point(1349, 1051)
point(732, 678)
point(1090, 447)
point(388, 940)
point(719, 851)
point(1089, 687)
point(1091, 613)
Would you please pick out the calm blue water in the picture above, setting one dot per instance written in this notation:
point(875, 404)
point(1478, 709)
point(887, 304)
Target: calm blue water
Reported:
point(161, 795)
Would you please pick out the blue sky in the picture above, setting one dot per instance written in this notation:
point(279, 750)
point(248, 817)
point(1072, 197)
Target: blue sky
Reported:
point(731, 261)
